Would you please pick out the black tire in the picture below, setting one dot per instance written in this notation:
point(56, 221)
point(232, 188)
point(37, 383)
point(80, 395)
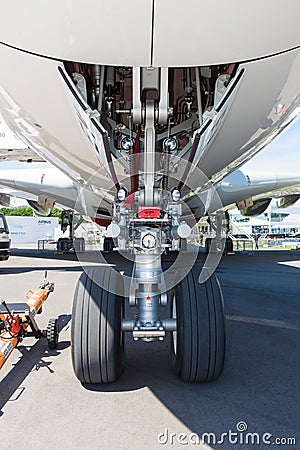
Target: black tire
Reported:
point(183, 245)
point(198, 345)
point(229, 245)
point(97, 339)
point(108, 244)
point(79, 245)
point(52, 333)
point(4, 255)
point(64, 245)
point(207, 245)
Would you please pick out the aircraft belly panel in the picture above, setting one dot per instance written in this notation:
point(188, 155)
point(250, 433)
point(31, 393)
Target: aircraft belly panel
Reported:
point(194, 32)
point(41, 112)
point(99, 31)
point(147, 32)
point(266, 100)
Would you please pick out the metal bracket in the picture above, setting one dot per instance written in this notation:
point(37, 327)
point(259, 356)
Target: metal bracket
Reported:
point(148, 334)
point(163, 111)
point(149, 155)
point(136, 95)
point(34, 326)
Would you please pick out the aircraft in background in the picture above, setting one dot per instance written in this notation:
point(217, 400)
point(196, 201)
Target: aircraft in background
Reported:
point(150, 113)
point(44, 187)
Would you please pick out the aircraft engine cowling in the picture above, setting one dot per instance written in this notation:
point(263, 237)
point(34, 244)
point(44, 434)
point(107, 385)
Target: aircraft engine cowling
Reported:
point(258, 207)
point(40, 209)
point(5, 200)
point(288, 200)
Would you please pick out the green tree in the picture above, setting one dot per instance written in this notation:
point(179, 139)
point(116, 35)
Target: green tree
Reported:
point(17, 211)
point(27, 211)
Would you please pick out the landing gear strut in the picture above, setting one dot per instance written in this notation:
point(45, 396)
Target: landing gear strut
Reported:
point(147, 221)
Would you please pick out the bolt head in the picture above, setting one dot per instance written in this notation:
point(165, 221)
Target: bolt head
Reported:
point(176, 195)
point(126, 143)
point(122, 194)
point(171, 144)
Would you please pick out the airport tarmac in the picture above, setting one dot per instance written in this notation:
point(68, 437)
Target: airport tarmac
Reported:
point(43, 406)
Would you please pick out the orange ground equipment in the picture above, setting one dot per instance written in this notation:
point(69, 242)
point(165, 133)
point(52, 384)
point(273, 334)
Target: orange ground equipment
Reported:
point(15, 318)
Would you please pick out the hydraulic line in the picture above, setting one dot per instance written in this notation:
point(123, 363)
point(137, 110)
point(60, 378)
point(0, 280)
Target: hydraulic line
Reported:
point(165, 168)
point(100, 98)
point(199, 100)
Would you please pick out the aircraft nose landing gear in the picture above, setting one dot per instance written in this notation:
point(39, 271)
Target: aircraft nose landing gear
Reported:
point(147, 221)
point(196, 320)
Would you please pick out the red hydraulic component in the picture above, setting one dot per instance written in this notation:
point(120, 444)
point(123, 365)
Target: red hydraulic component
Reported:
point(13, 326)
point(101, 222)
point(149, 212)
point(129, 199)
point(13, 322)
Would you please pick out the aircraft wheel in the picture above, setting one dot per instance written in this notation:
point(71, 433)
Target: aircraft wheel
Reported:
point(108, 244)
point(52, 333)
point(198, 344)
point(97, 339)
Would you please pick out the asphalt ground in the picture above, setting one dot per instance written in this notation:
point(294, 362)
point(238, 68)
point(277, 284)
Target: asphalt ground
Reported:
point(43, 406)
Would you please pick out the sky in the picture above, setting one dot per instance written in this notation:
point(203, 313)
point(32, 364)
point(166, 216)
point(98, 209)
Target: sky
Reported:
point(283, 154)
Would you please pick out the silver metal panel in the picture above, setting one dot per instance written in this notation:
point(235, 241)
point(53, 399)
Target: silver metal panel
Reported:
point(267, 99)
point(38, 108)
point(198, 32)
point(110, 32)
point(246, 183)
